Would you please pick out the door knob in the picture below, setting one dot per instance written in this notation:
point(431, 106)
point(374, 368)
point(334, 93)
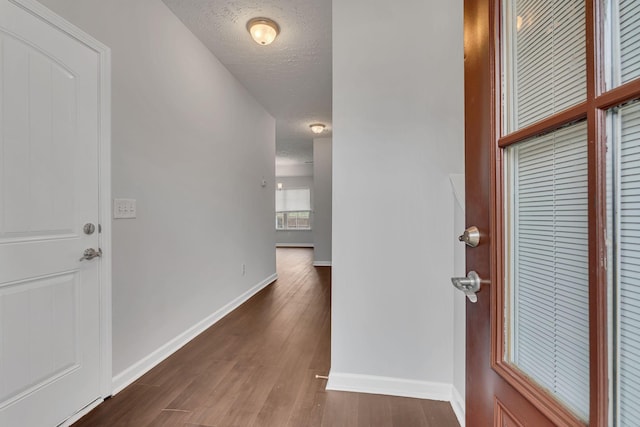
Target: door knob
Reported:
point(89, 228)
point(469, 285)
point(471, 236)
point(90, 254)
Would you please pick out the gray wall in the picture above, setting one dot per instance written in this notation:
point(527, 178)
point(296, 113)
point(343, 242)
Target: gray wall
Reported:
point(322, 204)
point(181, 127)
point(294, 238)
point(303, 238)
point(398, 132)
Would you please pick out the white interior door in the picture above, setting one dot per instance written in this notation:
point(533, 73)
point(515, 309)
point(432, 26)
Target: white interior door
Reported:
point(49, 182)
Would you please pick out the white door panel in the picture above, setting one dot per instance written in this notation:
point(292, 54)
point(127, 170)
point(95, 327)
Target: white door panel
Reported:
point(46, 346)
point(49, 182)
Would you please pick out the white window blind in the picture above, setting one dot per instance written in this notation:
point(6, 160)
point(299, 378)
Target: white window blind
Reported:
point(293, 199)
point(545, 59)
point(627, 265)
point(629, 18)
point(547, 275)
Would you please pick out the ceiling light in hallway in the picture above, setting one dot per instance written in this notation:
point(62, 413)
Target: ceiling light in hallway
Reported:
point(317, 128)
point(263, 30)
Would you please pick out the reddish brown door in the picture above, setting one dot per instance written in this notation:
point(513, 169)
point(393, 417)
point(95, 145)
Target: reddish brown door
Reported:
point(490, 400)
point(498, 393)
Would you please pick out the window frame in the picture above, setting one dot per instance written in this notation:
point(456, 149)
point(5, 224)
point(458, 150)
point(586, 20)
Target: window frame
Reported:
point(285, 213)
point(285, 221)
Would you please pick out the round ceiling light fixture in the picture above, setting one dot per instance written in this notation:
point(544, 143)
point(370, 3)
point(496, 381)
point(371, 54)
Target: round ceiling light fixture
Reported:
point(263, 30)
point(317, 128)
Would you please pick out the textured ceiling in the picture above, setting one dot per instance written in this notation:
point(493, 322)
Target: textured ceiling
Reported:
point(294, 151)
point(291, 78)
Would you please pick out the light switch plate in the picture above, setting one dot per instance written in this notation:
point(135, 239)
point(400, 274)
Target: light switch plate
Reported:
point(124, 208)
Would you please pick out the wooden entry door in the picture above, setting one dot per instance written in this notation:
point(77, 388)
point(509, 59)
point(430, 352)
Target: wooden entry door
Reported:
point(537, 123)
point(51, 361)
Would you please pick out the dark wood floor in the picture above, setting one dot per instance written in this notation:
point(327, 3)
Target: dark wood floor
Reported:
point(257, 367)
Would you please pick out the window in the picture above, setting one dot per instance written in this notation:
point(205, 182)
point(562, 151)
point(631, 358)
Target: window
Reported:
point(568, 176)
point(545, 59)
point(548, 270)
point(293, 209)
point(546, 203)
point(624, 272)
point(623, 42)
point(623, 213)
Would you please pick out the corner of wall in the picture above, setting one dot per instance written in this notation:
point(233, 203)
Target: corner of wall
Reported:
point(458, 405)
point(399, 387)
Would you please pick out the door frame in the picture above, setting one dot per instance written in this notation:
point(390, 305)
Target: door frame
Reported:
point(104, 185)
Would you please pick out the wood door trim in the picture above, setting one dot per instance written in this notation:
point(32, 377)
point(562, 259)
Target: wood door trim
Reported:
point(597, 220)
point(619, 95)
point(547, 404)
point(554, 122)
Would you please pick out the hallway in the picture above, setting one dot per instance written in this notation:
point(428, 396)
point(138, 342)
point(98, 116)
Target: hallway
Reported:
point(257, 367)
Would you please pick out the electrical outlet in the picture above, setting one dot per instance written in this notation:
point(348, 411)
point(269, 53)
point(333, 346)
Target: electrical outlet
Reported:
point(244, 269)
point(124, 208)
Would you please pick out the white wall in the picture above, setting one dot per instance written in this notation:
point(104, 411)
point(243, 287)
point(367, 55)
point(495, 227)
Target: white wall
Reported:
point(303, 238)
point(322, 205)
point(398, 133)
point(182, 126)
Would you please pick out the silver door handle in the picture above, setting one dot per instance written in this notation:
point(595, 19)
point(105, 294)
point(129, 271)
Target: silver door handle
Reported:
point(469, 285)
point(90, 254)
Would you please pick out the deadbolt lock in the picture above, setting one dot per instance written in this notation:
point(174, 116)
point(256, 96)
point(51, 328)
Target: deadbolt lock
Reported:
point(471, 236)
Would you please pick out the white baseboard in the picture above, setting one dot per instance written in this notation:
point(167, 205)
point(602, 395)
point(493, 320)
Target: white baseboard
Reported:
point(294, 245)
point(458, 405)
point(135, 371)
point(81, 413)
point(389, 386)
point(322, 263)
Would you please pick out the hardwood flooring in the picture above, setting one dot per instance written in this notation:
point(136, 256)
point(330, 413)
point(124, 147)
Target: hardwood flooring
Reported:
point(257, 367)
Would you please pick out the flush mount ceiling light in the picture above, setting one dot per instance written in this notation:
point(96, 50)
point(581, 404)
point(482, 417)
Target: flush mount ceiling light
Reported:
point(263, 30)
point(317, 127)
